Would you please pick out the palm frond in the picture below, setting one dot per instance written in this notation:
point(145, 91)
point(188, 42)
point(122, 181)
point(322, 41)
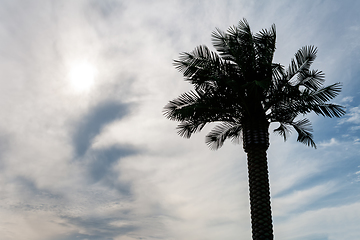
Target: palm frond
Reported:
point(278, 73)
point(303, 128)
point(220, 41)
point(183, 107)
point(264, 43)
point(283, 130)
point(217, 136)
point(329, 110)
point(244, 26)
point(311, 79)
point(324, 94)
point(316, 101)
point(187, 128)
point(204, 68)
point(200, 58)
point(302, 61)
point(236, 44)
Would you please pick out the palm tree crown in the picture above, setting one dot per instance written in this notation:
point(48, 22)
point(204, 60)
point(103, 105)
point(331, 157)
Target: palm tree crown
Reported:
point(242, 82)
point(243, 91)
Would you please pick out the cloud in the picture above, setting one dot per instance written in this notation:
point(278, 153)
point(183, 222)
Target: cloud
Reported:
point(347, 99)
point(96, 228)
point(108, 165)
point(101, 167)
point(322, 223)
point(107, 8)
point(330, 143)
point(352, 117)
point(90, 125)
point(285, 206)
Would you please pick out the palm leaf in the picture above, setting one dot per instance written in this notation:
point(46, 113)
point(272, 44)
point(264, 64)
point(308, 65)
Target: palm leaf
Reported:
point(183, 107)
point(236, 45)
point(324, 94)
point(217, 136)
point(278, 73)
point(311, 79)
point(199, 59)
point(303, 128)
point(329, 110)
point(221, 44)
point(187, 128)
point(264, 43)
point(303, 59)
point(283, 130)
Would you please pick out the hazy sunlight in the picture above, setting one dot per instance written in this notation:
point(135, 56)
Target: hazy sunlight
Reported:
point(81, 76)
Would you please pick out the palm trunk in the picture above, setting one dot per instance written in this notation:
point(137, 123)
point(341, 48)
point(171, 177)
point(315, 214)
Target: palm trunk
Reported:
point(256, 142)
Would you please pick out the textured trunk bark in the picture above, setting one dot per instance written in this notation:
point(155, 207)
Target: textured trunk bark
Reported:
point(261, 220)
point(256, 142)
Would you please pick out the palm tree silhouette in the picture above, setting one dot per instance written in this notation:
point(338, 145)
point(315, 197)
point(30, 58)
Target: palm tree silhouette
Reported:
point(243, 91)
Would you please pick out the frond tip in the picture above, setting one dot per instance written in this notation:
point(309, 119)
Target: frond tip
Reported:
point(303, 128)
point(217, 136)
point(183, 107)
point(187, 128)
point(283, 130)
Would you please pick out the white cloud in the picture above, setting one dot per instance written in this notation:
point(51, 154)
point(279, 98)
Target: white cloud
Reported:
point(355, 128)
point(330, 143)
point(347, 99)
point(326, 222)
point(165, 187)
point(353, 115)
point(284, 206)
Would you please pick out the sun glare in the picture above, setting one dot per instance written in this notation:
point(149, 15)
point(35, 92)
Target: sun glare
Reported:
point(82, 76)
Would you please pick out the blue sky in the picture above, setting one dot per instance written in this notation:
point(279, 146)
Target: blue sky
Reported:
point(87, 154)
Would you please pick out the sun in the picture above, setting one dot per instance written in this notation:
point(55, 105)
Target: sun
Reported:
point(82, 76)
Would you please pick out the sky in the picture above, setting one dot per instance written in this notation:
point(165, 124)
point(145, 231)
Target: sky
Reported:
point(86, 153)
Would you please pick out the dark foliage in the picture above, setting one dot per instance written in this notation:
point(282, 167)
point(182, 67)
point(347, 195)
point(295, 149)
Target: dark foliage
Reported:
point(240, 82)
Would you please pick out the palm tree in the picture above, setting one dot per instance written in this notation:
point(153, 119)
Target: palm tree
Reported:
point(243, 91)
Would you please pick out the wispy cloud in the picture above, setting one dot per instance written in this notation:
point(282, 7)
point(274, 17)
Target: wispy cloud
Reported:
point(347, 99)
point(352, 121)
point(330, 143)
point(353, 116)
point(105, 164)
